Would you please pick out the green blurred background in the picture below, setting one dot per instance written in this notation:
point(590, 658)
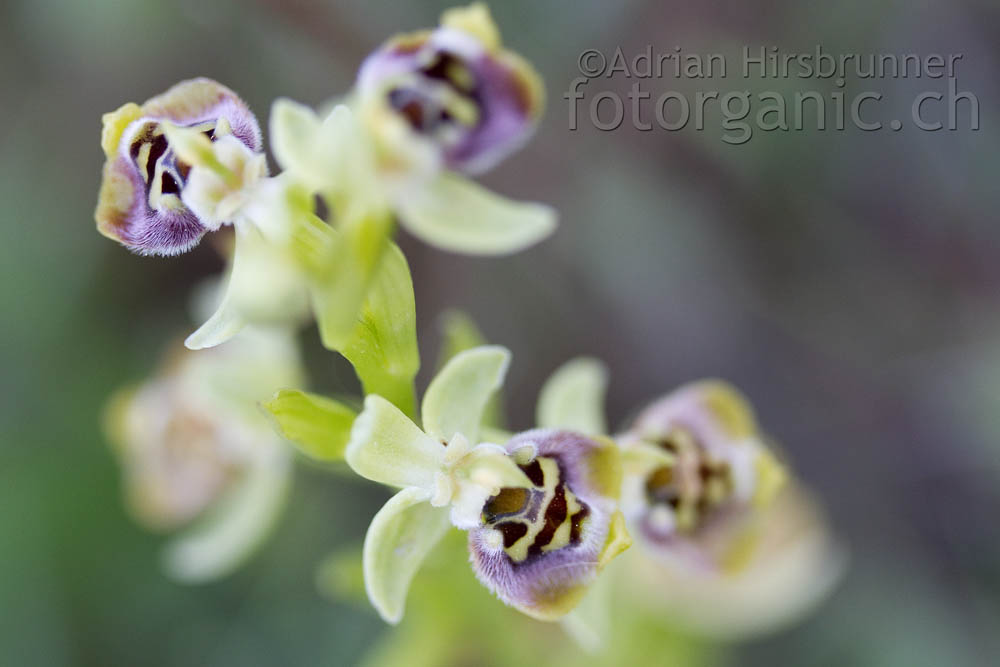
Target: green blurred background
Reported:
point(849, 282)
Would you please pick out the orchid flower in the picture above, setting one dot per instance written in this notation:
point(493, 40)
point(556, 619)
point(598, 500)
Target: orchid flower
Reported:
point(697, 465)
point(198, 456)
point(184, 163)
point(540, 510)
point(142, 201)
point(427, 108)
point(733, 547)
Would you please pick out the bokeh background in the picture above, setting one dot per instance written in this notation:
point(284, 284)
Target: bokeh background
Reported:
point(849, 282)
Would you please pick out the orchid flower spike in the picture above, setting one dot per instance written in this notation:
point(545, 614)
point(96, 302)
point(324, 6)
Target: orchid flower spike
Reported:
point(541, 510)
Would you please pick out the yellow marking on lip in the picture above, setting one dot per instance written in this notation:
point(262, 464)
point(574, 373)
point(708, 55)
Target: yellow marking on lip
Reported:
point(142, 158)
point(563, 532)
point(518, 552)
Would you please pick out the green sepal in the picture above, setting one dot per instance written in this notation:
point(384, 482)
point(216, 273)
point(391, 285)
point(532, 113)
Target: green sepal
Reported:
point(457, 396)
point(387, 447)
point(459, 333)
point(455, 214)
point(399, 538)
point(264, 286)
point(573, 397)
point(319, 427)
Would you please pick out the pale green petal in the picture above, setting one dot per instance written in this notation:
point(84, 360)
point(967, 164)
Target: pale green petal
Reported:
point(278, 207)
point(356, 186)
point(490, 466)
point(383, 347)
point(457, 396)
point(221, 541)
point(318, 426)
point(387, 447)
point(400, 536)
point(573, 397)
point(459, 333)
point(642, 457)
point(455, 214)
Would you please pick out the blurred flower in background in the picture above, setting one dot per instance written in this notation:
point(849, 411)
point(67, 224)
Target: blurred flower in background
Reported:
point(792, 565)
point(198, 454)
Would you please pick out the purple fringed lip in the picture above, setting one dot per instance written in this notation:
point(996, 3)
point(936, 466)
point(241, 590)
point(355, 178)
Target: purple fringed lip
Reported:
point(543, 566)
point(140, 199)
point(140, 227)
point(409, 71)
